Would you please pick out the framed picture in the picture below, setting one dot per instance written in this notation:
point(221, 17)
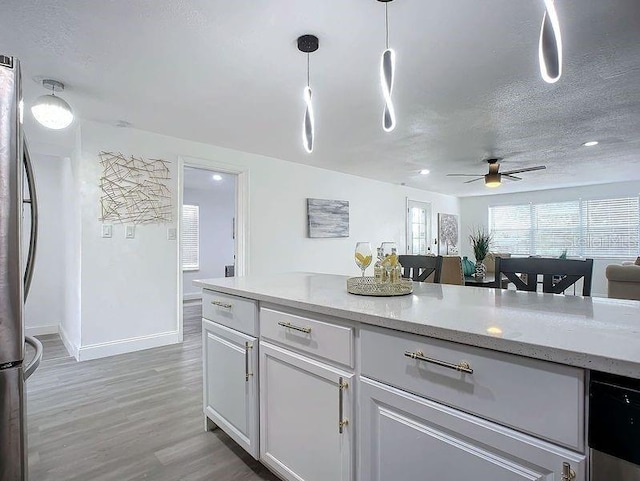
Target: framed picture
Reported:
point(328, 218)
point(448, 234)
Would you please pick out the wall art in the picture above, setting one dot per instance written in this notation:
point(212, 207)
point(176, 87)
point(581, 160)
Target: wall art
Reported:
point(328, 218)
point(448, 234)
point(134, 190)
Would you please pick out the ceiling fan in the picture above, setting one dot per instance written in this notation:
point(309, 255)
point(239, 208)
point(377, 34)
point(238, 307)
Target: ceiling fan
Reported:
point(494, 177)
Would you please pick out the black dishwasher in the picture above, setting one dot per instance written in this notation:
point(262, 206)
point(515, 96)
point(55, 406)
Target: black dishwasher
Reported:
point(614, 427)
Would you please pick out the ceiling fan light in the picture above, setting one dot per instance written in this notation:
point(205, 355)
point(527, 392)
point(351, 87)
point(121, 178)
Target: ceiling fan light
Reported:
point(52, 112)
point(492, 180)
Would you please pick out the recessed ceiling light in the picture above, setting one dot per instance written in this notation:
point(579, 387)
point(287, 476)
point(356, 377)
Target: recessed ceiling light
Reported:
point(425, 172)
point(217, 177)
point(591, 143)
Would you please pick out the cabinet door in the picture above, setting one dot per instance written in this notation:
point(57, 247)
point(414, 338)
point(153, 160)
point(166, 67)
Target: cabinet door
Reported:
point(303, 408)
point(403, 437)
point(231, 383)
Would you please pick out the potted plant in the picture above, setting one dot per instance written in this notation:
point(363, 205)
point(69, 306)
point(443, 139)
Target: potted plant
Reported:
point(481, 243)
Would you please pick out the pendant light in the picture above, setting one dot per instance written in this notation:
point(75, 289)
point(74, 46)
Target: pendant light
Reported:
point(387, 70)
point(51, 111)
point(308, 44)
point(550, 46)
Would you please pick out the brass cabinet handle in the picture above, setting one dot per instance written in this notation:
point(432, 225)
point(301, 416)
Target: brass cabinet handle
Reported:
point(568, 474)
point(342, 385)
point(222, 304)
point(247, 374)
point(462, 366)
point(306, 330)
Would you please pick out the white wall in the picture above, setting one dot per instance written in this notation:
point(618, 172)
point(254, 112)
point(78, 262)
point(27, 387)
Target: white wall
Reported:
point(128, 287)
point(45, 304)
point(474, 212)
point(217, 209)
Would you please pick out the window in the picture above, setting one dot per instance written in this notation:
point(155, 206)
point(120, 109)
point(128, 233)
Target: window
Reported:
point(587, 228)
point(190, 238)
point(418, 228)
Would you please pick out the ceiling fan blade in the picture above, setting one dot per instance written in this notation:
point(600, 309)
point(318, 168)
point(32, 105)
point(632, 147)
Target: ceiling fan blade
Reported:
point(511, 177)
point(528, 169)
point(462, 175)
point(474, 180)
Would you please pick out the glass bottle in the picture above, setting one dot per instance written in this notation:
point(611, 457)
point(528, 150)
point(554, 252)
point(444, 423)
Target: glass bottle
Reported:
point(378, 270)
point(398, 272)
point(392, 268)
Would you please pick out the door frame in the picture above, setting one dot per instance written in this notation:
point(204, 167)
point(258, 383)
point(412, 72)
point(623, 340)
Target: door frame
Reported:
point(241, 242)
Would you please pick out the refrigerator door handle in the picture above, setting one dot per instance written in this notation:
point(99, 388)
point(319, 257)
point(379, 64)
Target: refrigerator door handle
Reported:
point(35, 362)
point(33, 238)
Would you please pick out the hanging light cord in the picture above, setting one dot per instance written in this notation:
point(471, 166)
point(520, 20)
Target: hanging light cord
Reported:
point(308, 75)
point(386, 21)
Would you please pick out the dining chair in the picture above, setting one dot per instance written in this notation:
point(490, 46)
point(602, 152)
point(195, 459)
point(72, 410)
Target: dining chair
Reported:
point(452, 272)
point(557, 274)
point(419, 268)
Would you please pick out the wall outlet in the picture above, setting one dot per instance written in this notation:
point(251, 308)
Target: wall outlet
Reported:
point(107, 231)
point(130, 232)
point(172, 233)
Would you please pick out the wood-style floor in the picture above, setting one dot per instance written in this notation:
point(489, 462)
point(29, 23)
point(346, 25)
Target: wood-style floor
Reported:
point(129, 417)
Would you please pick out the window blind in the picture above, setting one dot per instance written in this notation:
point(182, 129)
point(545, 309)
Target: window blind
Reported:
point(611, 227)
point(587, 228)
point(190, 237)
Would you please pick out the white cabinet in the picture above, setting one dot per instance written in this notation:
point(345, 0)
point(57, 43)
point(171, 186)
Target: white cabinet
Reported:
point(306, 409)
point(231, 383)
point(403, 437)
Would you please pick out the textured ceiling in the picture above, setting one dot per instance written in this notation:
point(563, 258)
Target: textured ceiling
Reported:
point(467, 81)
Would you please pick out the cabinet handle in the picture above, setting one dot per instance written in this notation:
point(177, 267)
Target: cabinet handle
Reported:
point(342, 385)
point(568, 474)
point(247, 374)
point(222, 304)
point(462, 366)
point(306, 330)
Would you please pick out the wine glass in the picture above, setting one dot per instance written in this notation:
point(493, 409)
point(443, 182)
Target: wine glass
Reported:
point(363, 255)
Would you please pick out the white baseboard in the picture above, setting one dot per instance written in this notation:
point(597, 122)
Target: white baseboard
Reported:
point(192, 296)
point(122, 346)
point(71, 348)
point(41, 330)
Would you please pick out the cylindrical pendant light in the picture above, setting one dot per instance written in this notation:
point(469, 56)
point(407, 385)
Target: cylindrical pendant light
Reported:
point(308, 44)
point(51, 111)
point(387, 71)
point(550, 45)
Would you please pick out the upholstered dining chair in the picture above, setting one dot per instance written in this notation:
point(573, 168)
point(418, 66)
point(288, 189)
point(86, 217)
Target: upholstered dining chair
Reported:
point(419, 268)
point(557, 274)
point(452, 272)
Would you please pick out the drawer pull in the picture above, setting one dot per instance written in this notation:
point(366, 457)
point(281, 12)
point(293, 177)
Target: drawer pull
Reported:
point(247, 374)
point(568, 474)
point(288, 325)
point(222, 304)
point(342, 385)
point(462, 366)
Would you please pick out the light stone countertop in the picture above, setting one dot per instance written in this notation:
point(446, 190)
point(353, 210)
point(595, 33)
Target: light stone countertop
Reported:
point(594, 333)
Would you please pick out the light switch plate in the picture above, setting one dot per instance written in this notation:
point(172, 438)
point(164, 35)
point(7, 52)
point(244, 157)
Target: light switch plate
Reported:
point(172, 233)
point(130, 232)
point(107, 231)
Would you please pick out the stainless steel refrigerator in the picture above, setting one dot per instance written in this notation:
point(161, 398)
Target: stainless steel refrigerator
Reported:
point(16, 181)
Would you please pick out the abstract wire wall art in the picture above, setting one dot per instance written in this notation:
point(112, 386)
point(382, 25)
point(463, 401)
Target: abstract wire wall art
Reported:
point(134, 190)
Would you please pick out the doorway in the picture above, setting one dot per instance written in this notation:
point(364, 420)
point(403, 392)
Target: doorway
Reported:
point(207, 227)
point(212, 227)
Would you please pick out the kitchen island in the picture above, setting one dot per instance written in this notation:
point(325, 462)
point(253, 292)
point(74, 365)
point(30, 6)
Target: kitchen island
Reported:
point(460, 382)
